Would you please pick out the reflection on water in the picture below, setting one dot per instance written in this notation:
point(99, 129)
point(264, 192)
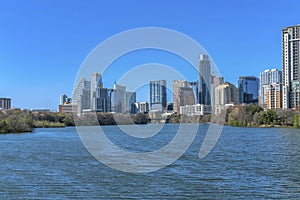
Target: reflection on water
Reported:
point(245, 163)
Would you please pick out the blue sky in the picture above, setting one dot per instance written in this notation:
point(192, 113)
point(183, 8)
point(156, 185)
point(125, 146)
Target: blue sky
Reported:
point(43, 43)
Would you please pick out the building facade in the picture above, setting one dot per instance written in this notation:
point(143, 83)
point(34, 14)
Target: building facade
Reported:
point(158, 95)
point(177, 84)
point(96, 83)
point(204, 80)
point(225, 94)
point(290, 67)
point(5, 103)
point(272, 96)
point(270, 80)
point(130, 100)
point(141, 107)
point(248, 87)
point(197, 109)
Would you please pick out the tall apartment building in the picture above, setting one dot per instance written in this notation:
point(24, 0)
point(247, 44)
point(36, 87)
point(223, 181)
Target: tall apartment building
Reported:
point(248, 87)
point(158, 95)
point(273, 96)
point(290, 67)
point(216, 81)
point(270, 82)
point(204, 80)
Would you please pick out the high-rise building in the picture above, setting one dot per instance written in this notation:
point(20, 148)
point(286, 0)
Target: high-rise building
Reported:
point(82, 95)
point(96, 82)
point(270, 80)
point(158, 95)
point(204, 80)
point(290, 67)
point(118, 99)
point(194, 85)
point(130, 100)
point(248, 87)
point(272, 96)
point(5, 103)
point(102, 100)
point(225, 94)
point(186, 96)
point(177, 84)
point(216, 81)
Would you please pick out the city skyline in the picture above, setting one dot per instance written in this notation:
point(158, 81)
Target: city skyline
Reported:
point(42, 51)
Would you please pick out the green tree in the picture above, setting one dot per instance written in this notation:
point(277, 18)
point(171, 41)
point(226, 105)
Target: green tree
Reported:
point(296, 121)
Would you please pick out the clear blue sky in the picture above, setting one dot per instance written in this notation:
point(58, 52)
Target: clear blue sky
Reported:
point(43, 43)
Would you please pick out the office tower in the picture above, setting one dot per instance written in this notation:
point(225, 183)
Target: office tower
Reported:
point(269, 81)
point(248, 87)
point(118, 98)
point(225, 94)
point(158, 95)
point(204, 80)
point(130, 100)
point(5, 103)
point(177, 84)
point(96, 82)
point(102, 102)
point(82, 95)
point(290, 67)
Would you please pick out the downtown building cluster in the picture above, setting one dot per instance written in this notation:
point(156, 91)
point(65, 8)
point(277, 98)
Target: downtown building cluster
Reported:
point(90, 95)
point(209, 94)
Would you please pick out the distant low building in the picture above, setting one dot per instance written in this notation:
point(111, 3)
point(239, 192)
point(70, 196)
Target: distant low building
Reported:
point(141, 107)
point(67, 108)
point(5, 103)
point(197, 109)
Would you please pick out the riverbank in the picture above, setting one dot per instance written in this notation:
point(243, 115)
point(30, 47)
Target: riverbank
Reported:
point(18, 121)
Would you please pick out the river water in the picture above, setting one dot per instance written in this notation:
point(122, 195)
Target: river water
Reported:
point(246, 163)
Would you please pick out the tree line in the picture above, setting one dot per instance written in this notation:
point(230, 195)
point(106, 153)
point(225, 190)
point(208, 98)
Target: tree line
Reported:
point(16, 121)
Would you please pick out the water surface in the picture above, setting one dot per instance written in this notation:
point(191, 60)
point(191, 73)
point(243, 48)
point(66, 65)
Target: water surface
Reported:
point(246, 163)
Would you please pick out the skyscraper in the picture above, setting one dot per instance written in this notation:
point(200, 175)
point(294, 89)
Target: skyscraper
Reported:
point(118, 98)
point(82, 95)
point(96, 82)
point(130, 100)
point(158, 95)
point(204, 80)
point(248, 87)
point(290, 67)
point(269, 81)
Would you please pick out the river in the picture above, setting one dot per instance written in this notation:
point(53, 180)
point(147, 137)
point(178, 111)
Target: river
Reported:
point(246, 163)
